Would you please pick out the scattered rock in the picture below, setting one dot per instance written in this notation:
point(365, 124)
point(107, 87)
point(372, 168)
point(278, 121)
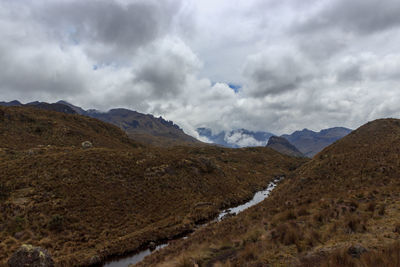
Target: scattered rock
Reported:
point(28, 255)
point(87, 144)
point(356, 251)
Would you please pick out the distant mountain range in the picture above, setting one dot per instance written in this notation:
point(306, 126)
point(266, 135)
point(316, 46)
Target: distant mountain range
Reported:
point(306, 141)
point(148, 129)
point(144, 128)
point(310, 143)
point(235, 138)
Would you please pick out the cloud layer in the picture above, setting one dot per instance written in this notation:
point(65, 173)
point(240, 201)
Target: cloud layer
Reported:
point(299, 64)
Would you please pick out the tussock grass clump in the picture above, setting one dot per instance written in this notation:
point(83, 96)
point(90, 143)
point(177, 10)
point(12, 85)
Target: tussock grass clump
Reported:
point(287, 234)
point(303, 212)
point(388, 256)
point(353, 223)
point(249, 253)
point(185, 262)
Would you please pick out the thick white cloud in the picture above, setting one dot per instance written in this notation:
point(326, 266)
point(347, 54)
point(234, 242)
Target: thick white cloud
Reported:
point(311, 63)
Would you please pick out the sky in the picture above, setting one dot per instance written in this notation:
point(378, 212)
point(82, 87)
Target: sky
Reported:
point(262, 65)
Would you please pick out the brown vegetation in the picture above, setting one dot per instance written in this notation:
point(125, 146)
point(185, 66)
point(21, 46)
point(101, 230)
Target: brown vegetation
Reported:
point(32, 128)
point(83, 205)
point(348, 195)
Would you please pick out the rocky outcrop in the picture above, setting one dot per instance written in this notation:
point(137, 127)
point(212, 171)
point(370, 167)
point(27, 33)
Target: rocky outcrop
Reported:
point(28, 255)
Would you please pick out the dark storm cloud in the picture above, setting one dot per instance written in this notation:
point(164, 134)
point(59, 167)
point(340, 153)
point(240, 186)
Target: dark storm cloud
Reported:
point(277, 71)
point(117, 28)
point(357, 16)
point(350, 73)
point(311, 63)
point(164, 76)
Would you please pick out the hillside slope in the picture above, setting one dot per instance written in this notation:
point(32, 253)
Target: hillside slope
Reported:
point(84, 205)
point(339, 209)
point(310, 143)
point(141, 127)
point(144, 128)
point(283, 146)
point(28, 127)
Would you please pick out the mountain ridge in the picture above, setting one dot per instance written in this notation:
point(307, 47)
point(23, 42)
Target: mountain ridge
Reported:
point(310, 142)
point(283, 146)
point(141, 127)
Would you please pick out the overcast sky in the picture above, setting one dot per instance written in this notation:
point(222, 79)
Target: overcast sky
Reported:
point(291, 64)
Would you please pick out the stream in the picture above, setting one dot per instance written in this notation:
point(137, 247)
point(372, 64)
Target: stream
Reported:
point(259, 196)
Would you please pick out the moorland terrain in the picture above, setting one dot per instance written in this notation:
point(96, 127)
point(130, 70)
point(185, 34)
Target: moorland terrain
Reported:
point(144, 128)
point(84, 204)
point(342, 208)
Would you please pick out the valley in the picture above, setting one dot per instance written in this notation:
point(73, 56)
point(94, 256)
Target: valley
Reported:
point(84, 205)
point(339, 209)
point(174, 133)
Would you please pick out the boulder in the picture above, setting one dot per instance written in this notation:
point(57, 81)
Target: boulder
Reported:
point(87, 144)
point(28, 255)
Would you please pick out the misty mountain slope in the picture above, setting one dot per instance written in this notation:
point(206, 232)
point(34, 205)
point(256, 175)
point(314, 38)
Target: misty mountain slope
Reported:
point(11, 103)
point(283, 146)
point(84, 205)
point(307, 142)
point(145, 127)
point(339, 209)
point(310, 143)
point(235, 138)
point(141, 127)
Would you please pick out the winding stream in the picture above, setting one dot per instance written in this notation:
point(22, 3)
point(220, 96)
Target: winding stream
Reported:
point(259, 196)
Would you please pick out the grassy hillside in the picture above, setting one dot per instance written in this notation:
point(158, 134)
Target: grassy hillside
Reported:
point(310, 143)
point(339, 209)
point(29, 127)
point(143, 128)
point(83, 205)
